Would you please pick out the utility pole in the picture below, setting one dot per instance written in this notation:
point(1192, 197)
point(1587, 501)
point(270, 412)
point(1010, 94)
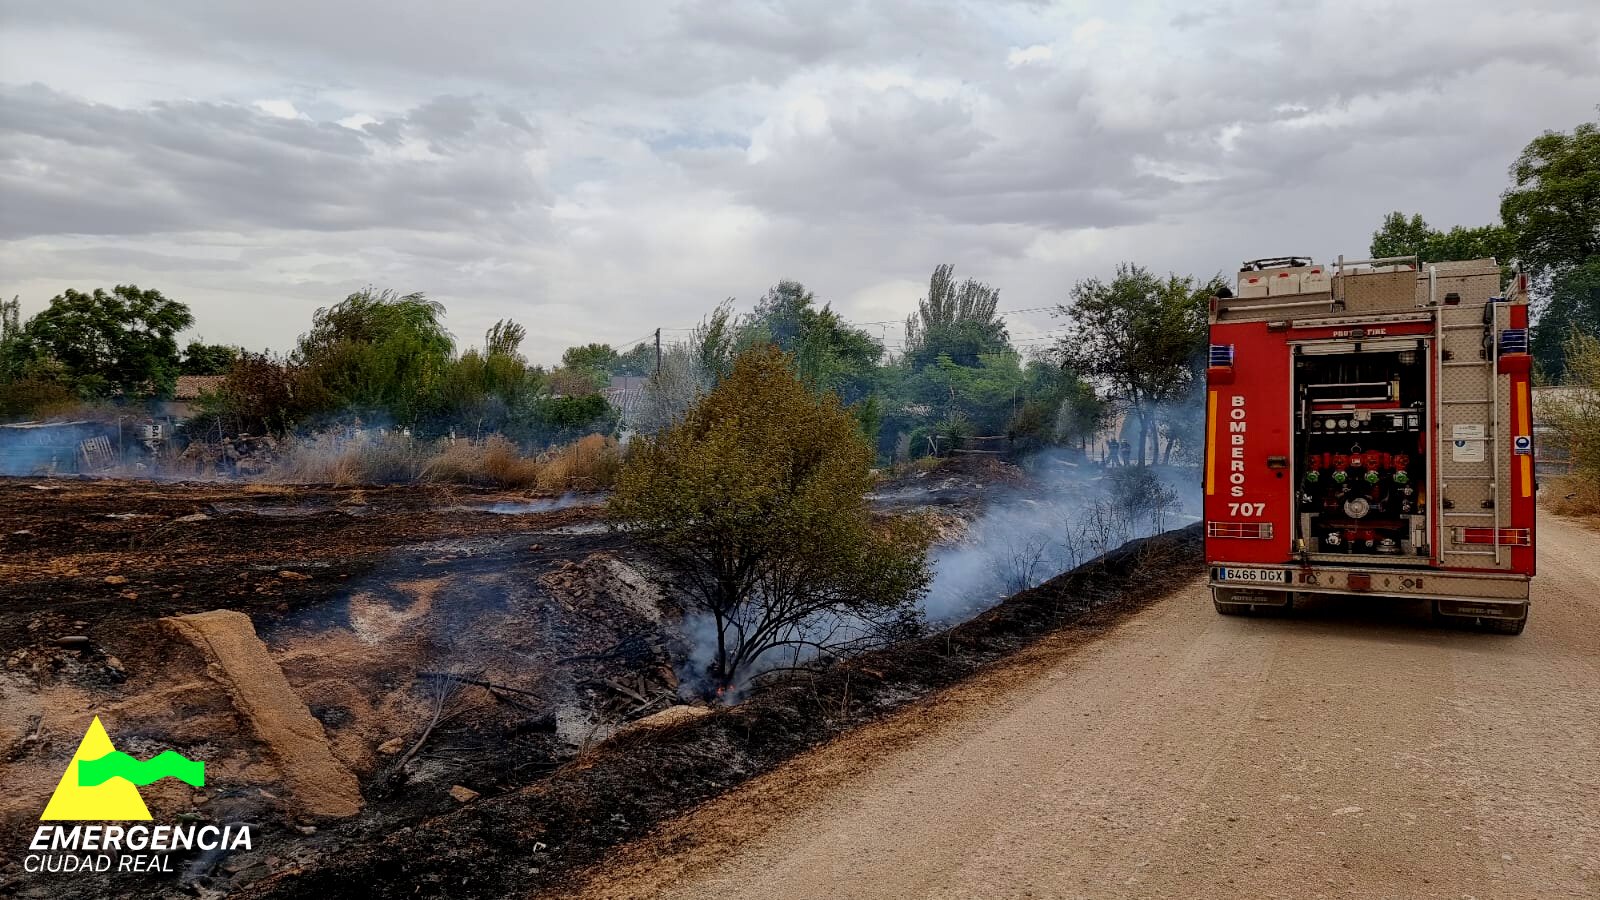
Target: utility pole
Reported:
point(658, 351)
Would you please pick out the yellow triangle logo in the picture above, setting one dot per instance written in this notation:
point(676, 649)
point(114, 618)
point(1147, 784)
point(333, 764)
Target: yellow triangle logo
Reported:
point(115, 800)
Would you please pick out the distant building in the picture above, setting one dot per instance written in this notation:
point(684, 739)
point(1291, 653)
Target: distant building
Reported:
point(55, 448)
point(624, 393)
point(185, 396)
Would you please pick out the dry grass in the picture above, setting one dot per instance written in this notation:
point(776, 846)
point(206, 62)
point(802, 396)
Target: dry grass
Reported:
point(365, 459)
point(1571, 495)
point(589, 463)
point(495, 461)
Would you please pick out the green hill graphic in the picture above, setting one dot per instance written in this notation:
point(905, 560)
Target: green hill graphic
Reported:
point(116, 764)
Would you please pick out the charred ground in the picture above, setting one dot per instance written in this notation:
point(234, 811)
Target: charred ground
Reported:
point(477, 660)
point(510, 634)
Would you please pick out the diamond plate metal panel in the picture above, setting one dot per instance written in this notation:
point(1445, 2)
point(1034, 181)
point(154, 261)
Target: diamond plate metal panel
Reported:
point(1473, 408)
point(1378, 291)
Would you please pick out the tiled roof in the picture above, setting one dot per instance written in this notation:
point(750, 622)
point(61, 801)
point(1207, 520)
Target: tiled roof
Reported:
point(190, 387)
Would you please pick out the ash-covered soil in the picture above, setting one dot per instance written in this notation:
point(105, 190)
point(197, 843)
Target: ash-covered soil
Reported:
point(542, 840)
point(451, 644)
point(476, 660)
point(80, 550)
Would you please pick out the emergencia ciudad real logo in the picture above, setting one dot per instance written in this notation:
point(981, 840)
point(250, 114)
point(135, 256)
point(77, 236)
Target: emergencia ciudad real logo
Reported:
point(101, 784)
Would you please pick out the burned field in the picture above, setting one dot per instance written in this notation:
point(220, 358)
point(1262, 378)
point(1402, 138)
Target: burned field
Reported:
point(405, 687)
point(447, 643)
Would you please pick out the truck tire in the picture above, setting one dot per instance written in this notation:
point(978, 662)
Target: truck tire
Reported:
point(1231, 609)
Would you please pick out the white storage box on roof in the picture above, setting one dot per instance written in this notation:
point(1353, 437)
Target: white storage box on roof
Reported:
point(1314, 280)
point(1283, 282)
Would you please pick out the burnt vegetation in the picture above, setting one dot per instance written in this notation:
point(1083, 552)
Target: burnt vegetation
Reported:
point(542, 837)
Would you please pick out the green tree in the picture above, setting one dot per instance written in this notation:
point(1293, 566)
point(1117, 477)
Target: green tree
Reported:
point(12, 355)
point(986, 394)
point(781, 313)
point(1140, 335)
point(260, 395)
point(504, 338)
point(1553, 207)
point(717, 341)
point(828, 354)
point(1400, 236)
point(641, 360)
point(1057, 406)
point(954, 320)
point(28, 388)
point(1570, 309)
point(120, 342)
point(200, 358)
point(832, 356)
point(483, 390)
point(594, 360)
point(755, 504)
point(1553, 204)
point(375, 317)
point(1482, 242)
point(375, 354)
point(571, 415)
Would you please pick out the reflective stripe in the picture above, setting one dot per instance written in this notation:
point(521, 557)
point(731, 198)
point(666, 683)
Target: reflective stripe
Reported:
point(1211, 443)
point(1526, 459)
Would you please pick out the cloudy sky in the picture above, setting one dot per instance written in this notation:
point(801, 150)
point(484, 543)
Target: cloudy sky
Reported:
point(595, 171)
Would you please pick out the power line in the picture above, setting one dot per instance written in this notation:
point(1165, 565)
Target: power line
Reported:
point(629, 345)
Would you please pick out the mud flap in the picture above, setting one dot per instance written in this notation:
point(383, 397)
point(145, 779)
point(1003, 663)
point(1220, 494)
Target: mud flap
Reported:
point(1250, 596)
point(1238, 602)
point(1502, 618)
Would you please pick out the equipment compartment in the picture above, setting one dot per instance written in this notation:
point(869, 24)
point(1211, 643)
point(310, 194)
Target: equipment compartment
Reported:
point(1361, 426)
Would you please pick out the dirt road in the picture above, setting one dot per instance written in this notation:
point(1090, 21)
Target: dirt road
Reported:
point(1332, 753)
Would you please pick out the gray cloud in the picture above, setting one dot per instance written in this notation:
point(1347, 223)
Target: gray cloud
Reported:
point(597, 172)
point(95, 169)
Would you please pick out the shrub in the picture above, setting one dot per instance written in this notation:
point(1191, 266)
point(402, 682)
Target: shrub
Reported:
point(29, 398)
point(1571, 495)
point(1576, 423)
point(755, 503)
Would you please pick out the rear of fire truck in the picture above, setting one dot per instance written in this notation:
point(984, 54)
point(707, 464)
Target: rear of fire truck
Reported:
point(1369, 434)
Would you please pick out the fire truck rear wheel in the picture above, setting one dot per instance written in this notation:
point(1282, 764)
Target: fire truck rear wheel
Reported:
point(1231, 609)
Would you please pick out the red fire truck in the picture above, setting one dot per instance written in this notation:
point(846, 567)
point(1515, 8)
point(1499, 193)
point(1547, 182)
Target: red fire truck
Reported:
point(1368, 432)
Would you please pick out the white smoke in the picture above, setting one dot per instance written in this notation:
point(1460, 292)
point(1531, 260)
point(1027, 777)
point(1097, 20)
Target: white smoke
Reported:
point(1066, 514)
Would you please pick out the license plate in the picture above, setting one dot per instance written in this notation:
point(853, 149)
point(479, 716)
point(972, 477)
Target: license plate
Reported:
point(1255, 576)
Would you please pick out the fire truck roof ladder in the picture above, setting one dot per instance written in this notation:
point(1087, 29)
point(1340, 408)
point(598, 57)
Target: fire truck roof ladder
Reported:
point(1340, 264)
